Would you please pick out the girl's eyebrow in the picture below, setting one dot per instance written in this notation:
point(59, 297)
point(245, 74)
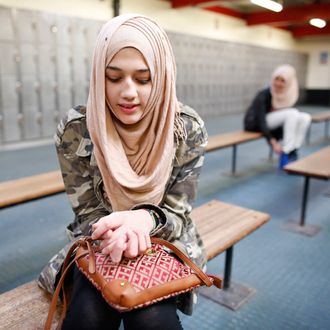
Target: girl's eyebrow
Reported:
point(114, 68)
point(143, 70)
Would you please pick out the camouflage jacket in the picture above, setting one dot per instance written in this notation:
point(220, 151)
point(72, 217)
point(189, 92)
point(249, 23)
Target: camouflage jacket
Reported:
point(84, 187)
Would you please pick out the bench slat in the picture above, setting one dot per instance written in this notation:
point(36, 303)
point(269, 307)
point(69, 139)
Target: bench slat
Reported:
point(228, 139)
point(225, 230)
point(220, 222)
point(316, 165)
point(24, 307)
point(36, 186)
point(321, 116)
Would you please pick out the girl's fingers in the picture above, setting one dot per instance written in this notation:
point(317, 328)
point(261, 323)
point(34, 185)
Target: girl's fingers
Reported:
point(148, 241)
point(107, 246)
point(99, 230)
point(121, 231)
point(109, 222)
point(142, 243)
point(107, 235)
point(117, 251)
point(132, 245)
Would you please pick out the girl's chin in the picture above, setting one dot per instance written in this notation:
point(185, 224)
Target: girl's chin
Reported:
point(129, 119)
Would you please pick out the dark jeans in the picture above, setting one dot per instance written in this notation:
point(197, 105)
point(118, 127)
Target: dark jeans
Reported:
point(88, 310)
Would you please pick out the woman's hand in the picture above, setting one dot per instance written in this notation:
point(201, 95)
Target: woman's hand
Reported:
point(276, 146)
point(124, 232)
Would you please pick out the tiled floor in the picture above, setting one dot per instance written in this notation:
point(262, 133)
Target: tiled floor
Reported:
point(290, 272)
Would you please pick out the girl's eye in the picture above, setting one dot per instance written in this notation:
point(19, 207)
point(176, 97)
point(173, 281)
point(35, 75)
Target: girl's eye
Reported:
point(113, 79)
point(143, 81)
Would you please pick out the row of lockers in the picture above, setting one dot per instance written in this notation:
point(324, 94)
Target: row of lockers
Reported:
point(45, 66)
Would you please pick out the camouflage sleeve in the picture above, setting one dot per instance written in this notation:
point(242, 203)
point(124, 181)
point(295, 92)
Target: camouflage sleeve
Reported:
point(181, 193)
point(74, 153)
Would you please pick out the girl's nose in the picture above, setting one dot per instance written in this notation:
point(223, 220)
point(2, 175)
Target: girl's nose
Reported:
point(129, 90)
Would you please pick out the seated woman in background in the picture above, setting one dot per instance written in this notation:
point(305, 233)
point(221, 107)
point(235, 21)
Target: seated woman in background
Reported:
point(272, 110)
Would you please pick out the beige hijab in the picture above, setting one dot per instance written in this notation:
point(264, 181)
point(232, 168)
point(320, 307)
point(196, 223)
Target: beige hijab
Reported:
point(289, 96)
point(135, 160)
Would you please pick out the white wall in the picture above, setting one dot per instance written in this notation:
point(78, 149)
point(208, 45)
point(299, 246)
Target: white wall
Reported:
point(318, 72)
point(194, 21)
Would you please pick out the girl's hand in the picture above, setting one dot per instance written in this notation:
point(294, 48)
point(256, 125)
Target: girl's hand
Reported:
point(124, 232)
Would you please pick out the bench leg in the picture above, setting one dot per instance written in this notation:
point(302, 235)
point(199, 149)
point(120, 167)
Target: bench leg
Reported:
point(233, 159)
point(326, 128)
point(304, 201)
point(302, 228)
point(232, 295)
point(308, 135)
point(228, 267)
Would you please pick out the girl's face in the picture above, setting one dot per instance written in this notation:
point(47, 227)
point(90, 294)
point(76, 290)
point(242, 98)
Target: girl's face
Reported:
point(128, 85)
point(279, 84)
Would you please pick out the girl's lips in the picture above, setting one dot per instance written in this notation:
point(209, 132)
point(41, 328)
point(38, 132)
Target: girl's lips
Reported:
point(128, 108)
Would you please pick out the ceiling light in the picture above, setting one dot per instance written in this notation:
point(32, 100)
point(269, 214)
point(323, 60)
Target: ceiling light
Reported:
point(268, 4)
point(320, 23)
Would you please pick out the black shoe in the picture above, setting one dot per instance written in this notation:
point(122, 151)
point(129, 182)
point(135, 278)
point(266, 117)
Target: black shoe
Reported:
point(293, 156)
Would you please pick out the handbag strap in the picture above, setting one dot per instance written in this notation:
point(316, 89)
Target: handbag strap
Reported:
point(204, 278)
point(87, 241)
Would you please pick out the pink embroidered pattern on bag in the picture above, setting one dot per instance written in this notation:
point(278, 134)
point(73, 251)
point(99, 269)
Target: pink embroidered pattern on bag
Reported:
point(154, 267)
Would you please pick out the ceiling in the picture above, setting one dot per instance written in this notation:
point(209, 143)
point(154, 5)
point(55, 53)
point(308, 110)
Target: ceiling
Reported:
point(294, 17)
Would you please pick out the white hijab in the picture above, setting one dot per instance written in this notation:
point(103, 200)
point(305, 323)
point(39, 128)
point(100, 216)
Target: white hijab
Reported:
point(289, 96)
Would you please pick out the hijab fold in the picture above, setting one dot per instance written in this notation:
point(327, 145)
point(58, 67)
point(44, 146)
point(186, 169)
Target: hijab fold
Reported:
point(135, 160)
point(289, 96)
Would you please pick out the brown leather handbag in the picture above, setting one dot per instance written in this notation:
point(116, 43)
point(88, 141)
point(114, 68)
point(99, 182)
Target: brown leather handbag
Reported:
point(134, 282)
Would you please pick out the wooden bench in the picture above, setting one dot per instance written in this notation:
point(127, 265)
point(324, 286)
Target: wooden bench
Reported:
point(320, 117)
point(21, 190)
point(220, 225)
point(232, 139)
point(317, 166)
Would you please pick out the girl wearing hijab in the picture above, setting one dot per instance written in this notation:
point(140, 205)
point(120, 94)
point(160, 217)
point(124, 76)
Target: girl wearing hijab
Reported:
point(130, 162)
point(272, 113)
